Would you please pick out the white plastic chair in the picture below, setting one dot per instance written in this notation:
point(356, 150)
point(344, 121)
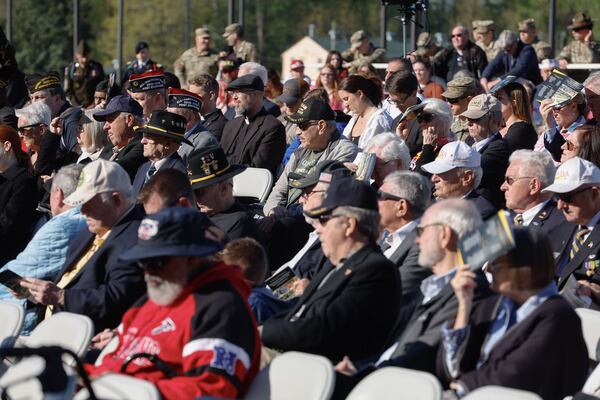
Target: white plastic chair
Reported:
point(393, 383)
point(12, 316)
point(109, 348)
point(253, 183)
point(590, 324)
point(120, 387)
point(294, 376)
point(500, 393)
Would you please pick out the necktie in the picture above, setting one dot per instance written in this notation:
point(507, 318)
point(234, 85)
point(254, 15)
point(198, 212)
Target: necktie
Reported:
point(151, 171)
point(518, 219)
point(578, 240)
point(386, 243)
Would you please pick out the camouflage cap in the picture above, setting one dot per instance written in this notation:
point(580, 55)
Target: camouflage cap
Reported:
point(424, 39)
point(233, 28)
point(581, 21)
point(483, 26)
point(460, 87)
point(357, 38)
point(526, 25)
point(481, 105)
point(203, 32)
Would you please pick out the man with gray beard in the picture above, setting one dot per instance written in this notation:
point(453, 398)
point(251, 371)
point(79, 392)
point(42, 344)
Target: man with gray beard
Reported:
point(193, 335)
point(254, 138)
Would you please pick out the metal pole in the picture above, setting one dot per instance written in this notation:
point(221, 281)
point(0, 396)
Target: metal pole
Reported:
point(120, 40)
point(413, 31)
point(75, 26)
point(230, 11)
point(383, 26)
point(187, 29)
point(241, 10)
point(9, 24)
point(551, 23)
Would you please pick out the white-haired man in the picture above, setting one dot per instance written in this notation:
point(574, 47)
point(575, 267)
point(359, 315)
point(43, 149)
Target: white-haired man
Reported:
point(391, 153)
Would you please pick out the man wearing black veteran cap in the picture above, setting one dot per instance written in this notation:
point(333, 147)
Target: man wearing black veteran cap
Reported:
point(161, 138)
point(142, 63)
point(46, 87)
point(254, 138)
point(211, 177)
point(120, 116)
point(148, 89)
point(350, 308)
point(319, 140)
point(195, 319)
point(188, 105)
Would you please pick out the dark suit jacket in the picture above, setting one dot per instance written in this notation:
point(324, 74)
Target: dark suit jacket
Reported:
point(50, 157)
point(263, 144)
point(105, 287)
point(494, 161)
point(351, 314)
point(173, 162)
point(215, 122)
point(418, 341)
point(483, 205)
point(131, 157)
point(446, 61)
point(523, 64)
point(414, 141)
point(545, 353)
point(18, 201)
point(548, 219)
point(588, 253)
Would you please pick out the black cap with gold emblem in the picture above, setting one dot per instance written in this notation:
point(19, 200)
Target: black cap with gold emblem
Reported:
point(166, 124)
point(47, 80)
point(312, 110)
point(209, 165)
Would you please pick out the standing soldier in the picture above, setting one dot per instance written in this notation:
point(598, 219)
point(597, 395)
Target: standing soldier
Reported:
point(583, 49)
point(142, 63)
point(484, 33)
point(244, 50)
point(82, 76)
point(528, 35)
point(198, 60)
point(361, 51)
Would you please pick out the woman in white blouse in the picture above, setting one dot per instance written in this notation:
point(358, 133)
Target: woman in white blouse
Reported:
point(362, 98)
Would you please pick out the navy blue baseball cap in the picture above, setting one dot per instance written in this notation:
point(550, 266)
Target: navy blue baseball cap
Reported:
point(118, 104)
point(346, 192)
point(175, 231)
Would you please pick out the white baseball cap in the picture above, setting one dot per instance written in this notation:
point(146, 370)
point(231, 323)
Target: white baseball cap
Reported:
point(480, 105)
point(99, 176)
point(453, 155)
point(573, 174)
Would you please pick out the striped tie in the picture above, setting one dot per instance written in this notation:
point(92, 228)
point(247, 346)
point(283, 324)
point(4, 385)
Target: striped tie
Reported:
point(578, 241)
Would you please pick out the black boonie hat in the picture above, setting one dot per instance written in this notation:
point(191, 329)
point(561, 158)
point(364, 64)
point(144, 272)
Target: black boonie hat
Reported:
point(209, 165)
point(346, 192)
point(312, 110)
point(46, 80)
point(175, 231)
point(332, 167)
point(166, 124)
point(180, 98)
point(250, 81)
point(150, 80)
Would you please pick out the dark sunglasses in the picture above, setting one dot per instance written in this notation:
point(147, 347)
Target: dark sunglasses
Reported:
point(425, 117)
point(580, 29)
point(454, 101)
point(23, 128)
point(570, 145)
point(387, 196)
point(458, 35)
point(568, 197)
point(152, 264)
point(305, 125)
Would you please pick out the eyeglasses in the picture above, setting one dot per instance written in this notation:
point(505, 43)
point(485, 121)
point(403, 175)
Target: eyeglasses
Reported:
point(425, 117)
point(26, 127)
point(583, 28)
point(153, 264)
point(305, 125)
point(510, 179)
point(475, 121)
point(457, 35)
point(387, 196)
point(323, 219)
point(307, 194)
point(568, 197)
point(559, 107)
point(454, 101)
point(421, 228)
point(570, 145)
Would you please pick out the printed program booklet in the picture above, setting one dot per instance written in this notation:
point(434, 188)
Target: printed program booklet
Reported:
point(282, 284)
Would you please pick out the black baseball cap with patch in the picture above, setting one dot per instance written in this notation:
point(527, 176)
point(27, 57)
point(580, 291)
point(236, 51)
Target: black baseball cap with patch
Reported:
point(346, 192)
point(312, 110)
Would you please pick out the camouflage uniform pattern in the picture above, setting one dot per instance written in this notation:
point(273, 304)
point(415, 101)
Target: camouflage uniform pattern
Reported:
point(542, 49)
point(492, 50)
point(80, 82)
point(191, 64)
point(578, 52)
point(356, 58)
point(460, 129)
point(245, 51)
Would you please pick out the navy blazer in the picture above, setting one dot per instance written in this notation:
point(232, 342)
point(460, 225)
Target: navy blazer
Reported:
point(351, 314)
point(131, 157)
point(483, 205)
point(523, 65)
point(548, 219)
point(588, 254)
point(105, 287)
point(494, 162)
point(173, 162)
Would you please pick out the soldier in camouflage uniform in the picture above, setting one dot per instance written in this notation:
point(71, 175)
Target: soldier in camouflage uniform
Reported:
point(528, 35)
point(198, 60)
point(485, 37)
point(583, 49)
point(361, 52)
point(142, 63)
point(244, 50)
point(459, 93)
point(82, 76)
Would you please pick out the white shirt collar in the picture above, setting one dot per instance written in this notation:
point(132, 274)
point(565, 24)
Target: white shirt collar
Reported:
point(395, 239)
point(529, 214)
point(481, 144)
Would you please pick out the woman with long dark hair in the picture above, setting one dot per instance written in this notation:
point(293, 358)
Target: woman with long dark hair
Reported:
point(519, 131)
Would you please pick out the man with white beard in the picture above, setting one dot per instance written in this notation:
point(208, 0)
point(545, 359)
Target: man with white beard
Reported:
point(194, 334)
